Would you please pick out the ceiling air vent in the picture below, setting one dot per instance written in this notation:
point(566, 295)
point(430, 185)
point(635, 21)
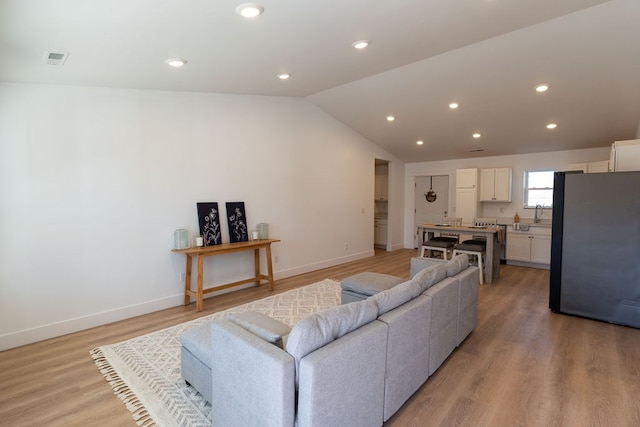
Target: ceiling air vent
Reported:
point(54, 58)
point(476, 150)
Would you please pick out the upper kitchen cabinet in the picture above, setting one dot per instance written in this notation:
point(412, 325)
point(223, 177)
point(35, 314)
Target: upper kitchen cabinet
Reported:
point(467, 178)
point(467, 206)
point(382, 183)
point(593, 167)
point(382, 187)
point(495, 185)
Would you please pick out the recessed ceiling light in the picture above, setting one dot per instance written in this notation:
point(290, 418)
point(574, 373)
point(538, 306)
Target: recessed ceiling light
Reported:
point(390, 118)
point(283, 76)
point(476, 135)
point(419, 142)
point(249, 10)
point(360, 44)
point(454, 105)
point(542, 88)
point(175, 62)
point(552, 126)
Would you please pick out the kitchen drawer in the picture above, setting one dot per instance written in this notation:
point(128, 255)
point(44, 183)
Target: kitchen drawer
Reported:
point(533, 229)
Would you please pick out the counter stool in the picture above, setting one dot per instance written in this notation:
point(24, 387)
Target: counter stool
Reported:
point(477, 246)
point(444, 242)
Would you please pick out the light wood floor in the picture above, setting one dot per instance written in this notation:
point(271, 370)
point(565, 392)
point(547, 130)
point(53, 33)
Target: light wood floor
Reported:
point(522, 366)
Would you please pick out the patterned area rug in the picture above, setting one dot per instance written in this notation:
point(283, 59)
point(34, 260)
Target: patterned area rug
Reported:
point(144, 372)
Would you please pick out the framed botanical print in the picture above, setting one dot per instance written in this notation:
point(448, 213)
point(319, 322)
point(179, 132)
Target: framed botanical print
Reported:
point(238, 229)
point(209, 221)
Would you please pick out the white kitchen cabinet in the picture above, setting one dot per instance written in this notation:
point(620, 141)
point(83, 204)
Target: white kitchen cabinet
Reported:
point(598, 167)
point(467, 178)
point(382, 187)
point(533, 246)
point(495, 185)
point(380, 233)
point(540, 249)
point(592, 167)
point(625, 156)
point(467, 204)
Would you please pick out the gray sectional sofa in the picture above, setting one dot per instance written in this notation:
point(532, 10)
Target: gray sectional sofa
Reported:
point(351, 365)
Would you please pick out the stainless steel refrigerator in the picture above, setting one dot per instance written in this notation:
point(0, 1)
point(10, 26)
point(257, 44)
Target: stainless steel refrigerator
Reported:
point(595, 246)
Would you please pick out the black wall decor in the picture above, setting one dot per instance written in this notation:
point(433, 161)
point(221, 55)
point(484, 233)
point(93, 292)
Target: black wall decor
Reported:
point(209, 220)
point(237, 222)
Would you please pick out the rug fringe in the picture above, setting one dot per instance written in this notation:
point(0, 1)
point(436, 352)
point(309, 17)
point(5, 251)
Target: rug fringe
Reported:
point(140, 414)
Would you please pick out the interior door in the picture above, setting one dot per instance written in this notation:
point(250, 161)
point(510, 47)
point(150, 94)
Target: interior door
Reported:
point(430, 212)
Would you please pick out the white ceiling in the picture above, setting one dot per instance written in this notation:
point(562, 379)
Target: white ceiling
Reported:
point(488, 55)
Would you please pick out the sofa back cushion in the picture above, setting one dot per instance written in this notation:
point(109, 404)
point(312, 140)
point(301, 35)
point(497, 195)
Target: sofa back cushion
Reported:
point(418, 264)
point(429, 276)
point(457, 264)
point(321, 328)
point(396, 296)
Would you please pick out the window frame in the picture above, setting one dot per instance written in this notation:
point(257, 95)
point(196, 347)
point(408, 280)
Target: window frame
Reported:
point(526, 189)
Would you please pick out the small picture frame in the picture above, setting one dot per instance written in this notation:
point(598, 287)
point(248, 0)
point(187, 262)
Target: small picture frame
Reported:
point(238, 229)
point(209, 221)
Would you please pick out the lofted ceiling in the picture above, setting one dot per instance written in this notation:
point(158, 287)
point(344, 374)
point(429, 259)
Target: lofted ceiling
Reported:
point(486, 55)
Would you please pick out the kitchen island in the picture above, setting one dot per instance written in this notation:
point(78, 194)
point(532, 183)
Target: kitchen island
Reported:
point(494, 235)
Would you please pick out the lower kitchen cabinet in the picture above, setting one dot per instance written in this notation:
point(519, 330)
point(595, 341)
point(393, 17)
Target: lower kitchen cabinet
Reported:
point(380, 233)
point(533, 246)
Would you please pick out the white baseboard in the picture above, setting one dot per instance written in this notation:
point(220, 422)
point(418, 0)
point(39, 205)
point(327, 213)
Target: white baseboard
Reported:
point(52, 330)
point(323, 264)
point(397, 247)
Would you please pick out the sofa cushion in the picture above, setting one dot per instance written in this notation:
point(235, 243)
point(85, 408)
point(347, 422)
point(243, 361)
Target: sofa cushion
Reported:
point(198, 341)
point(396, 296)
point(321, 328)
point(418, 264)
point(457, 264)
point(369, 283)
point(261, 326)
point(430, 276)
point(472, 247)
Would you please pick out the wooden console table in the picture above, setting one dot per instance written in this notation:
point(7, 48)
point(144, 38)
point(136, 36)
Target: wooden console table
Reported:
point(225, 248)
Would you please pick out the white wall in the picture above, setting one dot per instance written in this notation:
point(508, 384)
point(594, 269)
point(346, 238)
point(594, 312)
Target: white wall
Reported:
point(94, 181)
point(557, 160)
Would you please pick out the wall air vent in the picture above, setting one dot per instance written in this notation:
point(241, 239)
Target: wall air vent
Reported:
point(54, 58)
point(476, 150)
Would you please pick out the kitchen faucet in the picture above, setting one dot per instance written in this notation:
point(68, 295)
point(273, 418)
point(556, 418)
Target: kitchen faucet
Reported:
point(536, 218)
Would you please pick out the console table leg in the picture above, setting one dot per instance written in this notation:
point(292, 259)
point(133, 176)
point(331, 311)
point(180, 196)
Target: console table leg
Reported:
point(199, 291)
point(256, 258)
point(269, 266)
point(187, 281)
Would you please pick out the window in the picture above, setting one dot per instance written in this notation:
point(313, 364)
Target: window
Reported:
point(538, 188)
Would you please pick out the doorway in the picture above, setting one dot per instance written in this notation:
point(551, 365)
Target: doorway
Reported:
point(432, 210)
point(381, 204)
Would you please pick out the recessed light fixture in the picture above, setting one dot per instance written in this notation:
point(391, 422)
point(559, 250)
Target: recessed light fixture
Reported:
point(454, 105)
point(360, 44)
point(420, 142)
point(249, 10)
point(175, 62)
point(542, 88)
point(476, 135)
point(552, 126)
point(390, 118)
point(283, 76)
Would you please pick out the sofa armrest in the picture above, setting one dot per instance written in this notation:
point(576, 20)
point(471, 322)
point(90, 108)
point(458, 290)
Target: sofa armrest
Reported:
point(261, 325)
point(253, 381)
